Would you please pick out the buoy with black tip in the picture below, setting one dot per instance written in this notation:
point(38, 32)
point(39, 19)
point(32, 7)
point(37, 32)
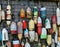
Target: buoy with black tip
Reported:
point(13, 28)
point(39, 26)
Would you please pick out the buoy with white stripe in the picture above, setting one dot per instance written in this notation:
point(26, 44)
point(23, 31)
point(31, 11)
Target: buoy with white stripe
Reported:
point(29, 12)
point(13, 28)
point(32, 35)
point(39, 26)
point(31, 25)
point(16, 43)
point(44, 34)
point(4, 35)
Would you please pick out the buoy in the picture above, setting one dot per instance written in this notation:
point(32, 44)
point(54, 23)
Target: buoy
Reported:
point(44, 34)
point(16, 43)
point(13, 28)
point(54, 22)
point(36, 37)
point(31, 25)
point(27, 44)
point(35, 11)
point(20, 27)
point(22, 13)
point(32, 35)
point(29, 12)
point(49, 39)
point(47, 24)
point(26, 33)
point(43, 12)
point(0, 13)
point(39, 26)
point(24, 24)
point(5, 34)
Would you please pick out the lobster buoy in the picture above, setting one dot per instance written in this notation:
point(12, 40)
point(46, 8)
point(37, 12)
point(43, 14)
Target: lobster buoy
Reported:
point(39, 26)
point(16, 43)
point(13, 28)
point(5, 34)
point(22, 13)
point(47, 24)
point(29, 12)
point(54, 22)
point(26, 33)
point(32, 35)
point(24, 24)
point(31, 25)
point(44, 34)
point(43, 12)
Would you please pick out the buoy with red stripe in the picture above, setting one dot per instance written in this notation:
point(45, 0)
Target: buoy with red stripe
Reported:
point(44, 34)
point(22, 13)
point(16, 43)
point(32, 35)
point(13, 28)
point(4, 35)
point(29, 12)
point(39, 26)
point(24, 24)
point(54, 22)
point(31, 25)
